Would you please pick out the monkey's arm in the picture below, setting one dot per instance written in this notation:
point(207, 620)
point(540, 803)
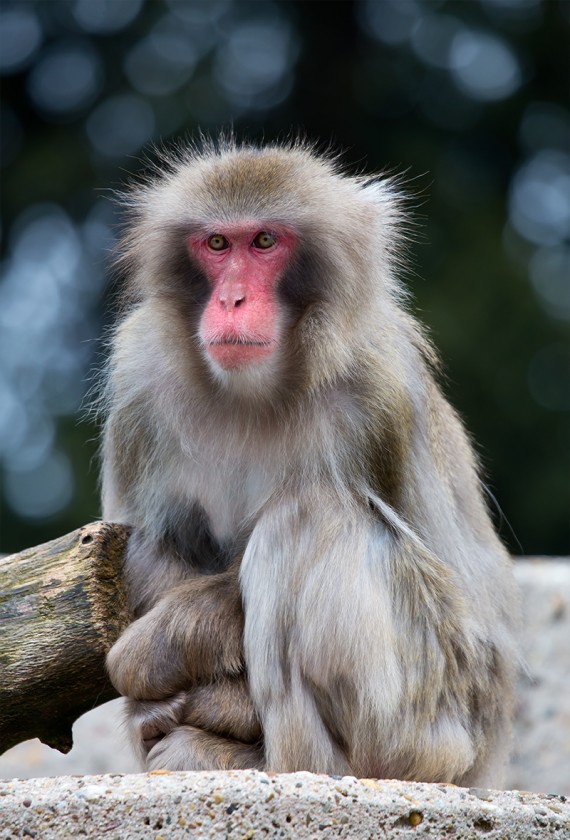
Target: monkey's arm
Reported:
point(193, 635)
point(181, 665)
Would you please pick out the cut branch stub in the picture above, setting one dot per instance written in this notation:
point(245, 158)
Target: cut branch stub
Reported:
point(62, 606)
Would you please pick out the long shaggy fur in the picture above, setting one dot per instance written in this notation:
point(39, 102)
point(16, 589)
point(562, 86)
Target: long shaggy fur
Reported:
point(324, 509)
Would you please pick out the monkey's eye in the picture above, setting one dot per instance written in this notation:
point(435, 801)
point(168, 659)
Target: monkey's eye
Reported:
point(264, 240)
point(217, 242)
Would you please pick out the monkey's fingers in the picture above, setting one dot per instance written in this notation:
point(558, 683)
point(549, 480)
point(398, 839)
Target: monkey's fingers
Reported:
point(224, 708)
point(189, 748)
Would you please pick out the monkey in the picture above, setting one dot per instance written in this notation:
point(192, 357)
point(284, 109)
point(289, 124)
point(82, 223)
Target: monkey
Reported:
point(314, 576)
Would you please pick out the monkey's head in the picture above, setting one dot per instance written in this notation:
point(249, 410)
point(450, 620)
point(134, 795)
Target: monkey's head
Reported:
point(265, 256)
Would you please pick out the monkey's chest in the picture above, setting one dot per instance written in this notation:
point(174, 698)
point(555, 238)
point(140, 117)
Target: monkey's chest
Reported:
point(229, 490)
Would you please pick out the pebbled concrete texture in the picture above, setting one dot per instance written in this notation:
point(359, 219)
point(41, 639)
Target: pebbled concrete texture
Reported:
point(248, 804)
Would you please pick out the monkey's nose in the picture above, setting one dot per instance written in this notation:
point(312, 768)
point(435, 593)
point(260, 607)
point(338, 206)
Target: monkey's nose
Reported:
point(231, 300)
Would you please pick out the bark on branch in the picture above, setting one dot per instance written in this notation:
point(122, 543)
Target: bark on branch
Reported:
point(62, 606)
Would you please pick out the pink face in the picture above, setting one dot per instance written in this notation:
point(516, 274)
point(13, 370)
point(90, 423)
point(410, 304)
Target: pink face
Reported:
point(243, 263)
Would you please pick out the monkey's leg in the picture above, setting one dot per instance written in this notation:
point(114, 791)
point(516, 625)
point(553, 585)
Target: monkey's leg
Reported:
point(192, 635)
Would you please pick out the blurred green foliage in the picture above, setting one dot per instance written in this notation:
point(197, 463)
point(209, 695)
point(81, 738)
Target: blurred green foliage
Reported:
point(469, 99)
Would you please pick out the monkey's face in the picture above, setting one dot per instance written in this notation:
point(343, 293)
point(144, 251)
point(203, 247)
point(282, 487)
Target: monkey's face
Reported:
point(242, 323)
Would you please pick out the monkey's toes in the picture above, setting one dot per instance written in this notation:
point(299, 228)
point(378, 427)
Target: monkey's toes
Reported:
point(151, 735)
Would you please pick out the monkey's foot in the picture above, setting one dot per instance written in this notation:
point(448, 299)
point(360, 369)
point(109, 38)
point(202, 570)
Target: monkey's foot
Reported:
point(189, 748)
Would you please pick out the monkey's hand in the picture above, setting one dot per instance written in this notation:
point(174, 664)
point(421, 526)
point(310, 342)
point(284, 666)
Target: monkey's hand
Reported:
point(191, 636)
point(211, 727)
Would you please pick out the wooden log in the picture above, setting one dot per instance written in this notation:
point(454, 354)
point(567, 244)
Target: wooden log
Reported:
point(62, 606)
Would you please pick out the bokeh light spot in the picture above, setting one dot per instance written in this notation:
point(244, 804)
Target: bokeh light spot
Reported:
point(539, 199)
point(199, 12)
point(432, 37)
point(163, 61)
point(46, 294)
point(390, 21)
point(42, 491)
point(483, 65)
point(20, 36)
point(66, 79)
point(120, 125)
point(252, 66)
point(550, 276)
point(105, 16)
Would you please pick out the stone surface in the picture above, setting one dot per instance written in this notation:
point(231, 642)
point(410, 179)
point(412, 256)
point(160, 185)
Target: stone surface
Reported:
point(541, 754)
point(248, 804)
point(541, 757)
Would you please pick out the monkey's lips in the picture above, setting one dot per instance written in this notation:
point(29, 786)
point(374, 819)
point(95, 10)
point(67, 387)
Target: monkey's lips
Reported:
point(232, 353)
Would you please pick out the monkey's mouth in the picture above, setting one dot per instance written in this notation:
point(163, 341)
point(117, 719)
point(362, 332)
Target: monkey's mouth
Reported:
point(234, 352)
point(238, 342)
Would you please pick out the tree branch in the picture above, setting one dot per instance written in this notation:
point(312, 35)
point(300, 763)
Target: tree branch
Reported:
point(62, 606)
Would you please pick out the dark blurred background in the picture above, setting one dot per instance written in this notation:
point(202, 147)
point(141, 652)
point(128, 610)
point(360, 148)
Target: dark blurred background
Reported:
point(468, 97)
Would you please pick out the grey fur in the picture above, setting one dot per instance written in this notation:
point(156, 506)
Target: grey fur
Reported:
point(379, 608)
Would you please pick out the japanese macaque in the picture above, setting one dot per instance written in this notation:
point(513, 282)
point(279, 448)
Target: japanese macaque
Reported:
point(314, 576)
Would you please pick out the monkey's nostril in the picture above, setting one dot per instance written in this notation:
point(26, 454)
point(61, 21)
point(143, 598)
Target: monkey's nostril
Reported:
point(239, 302)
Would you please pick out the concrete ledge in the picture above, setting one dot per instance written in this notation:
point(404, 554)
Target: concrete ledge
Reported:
point(248, 804)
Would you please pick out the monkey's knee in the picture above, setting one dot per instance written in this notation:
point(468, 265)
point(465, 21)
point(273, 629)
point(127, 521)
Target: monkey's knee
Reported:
point(140, 666)
point(189, 748)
